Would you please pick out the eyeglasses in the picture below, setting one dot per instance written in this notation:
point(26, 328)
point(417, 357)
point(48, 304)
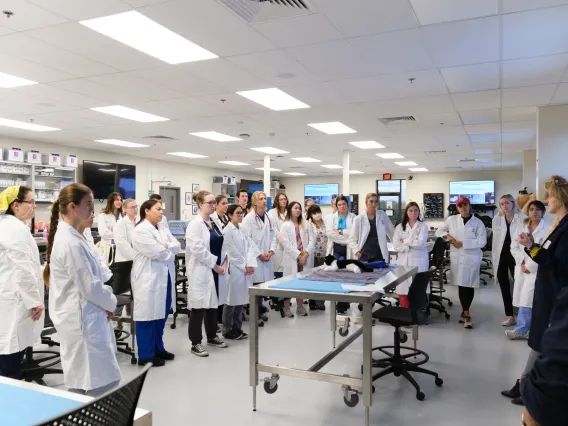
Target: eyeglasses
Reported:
point(31, 202)
point(240, 214)
point(211, 203)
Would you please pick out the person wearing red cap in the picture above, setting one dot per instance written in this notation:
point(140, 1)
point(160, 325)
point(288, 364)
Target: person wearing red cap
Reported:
point(467, 235)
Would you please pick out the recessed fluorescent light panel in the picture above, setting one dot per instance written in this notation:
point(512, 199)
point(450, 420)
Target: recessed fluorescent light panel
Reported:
point(129, 113)
point(8, 81)
point(405, 163)
point(234, 163)
point(390, 155)
point(271, 169)
point(141, 33)
point(187, 155)
point(332, 166)
point(355, 172)
point(332, 128)
point(418, 169)
point(215, 136)
point(367, 144)
point(125, 144)
point(295, 174)
point(26, 126)
point(274, 99)
point(270, 150)
point(306, 160)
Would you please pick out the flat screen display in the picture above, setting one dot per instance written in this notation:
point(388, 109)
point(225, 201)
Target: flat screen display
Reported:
point(100, 177)
point(478, 191)
point(127, 181)
point(321, 193)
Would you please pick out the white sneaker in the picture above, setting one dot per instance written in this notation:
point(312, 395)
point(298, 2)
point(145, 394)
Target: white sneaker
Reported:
point(515, 335)
point(509, 322)
point(355, 312)
point(301, 311)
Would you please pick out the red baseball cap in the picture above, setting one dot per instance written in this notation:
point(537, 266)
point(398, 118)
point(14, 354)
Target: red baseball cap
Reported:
point(462, 200)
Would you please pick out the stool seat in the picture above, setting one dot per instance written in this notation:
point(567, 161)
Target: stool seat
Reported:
point(394, 315)
point(123, 299)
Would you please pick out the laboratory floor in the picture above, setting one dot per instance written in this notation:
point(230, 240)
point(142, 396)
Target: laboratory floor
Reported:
point(475, 365)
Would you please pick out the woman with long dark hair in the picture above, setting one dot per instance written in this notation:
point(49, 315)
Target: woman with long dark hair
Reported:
point(21, 285)
point(106, 221)
point(410, 238)
point(317, 223)
point(277, 215)
point(153, 282)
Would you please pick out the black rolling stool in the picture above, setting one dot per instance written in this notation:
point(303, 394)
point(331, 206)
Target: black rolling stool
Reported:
point(395, 362)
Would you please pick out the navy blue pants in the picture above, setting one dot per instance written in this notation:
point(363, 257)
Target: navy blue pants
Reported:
point(149, 334)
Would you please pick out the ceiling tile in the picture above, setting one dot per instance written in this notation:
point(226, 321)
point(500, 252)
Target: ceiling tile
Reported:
point(475, 129)
point(520, 5)
point(30, 70)
point(4, 30)
point(436, 11)
point(561, 95)
point(333, 60)
point(234, 104)
point(472, 78)
point(77, 10)
point(402, 107)
point(519, 114)
point(447, 119)
point(128, 82)
point(480, 116)
point(298, 30)
point(519, 137)
point(528, 96)
point(316, 94)
point(485, 138)
point(28, 16)
point(519, 126)
point(394, 52)
point(57, 94)
point(226, 74)
point(180, 108)
point(360, 17)
point(105, 95)
point(140, 3)
point(524, 33)
point(222, 32)
point(463, 42)
point(534, 71)
point(488, 99)
point(425, 83)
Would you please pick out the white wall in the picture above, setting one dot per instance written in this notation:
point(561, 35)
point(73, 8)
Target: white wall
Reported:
point(147, 169)
point(506, 182)
point(551, 146)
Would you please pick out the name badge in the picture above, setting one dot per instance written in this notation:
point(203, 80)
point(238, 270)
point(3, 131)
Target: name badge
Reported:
point(546, 245)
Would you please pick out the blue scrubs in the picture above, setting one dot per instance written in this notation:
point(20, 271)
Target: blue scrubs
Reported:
point(149, 334)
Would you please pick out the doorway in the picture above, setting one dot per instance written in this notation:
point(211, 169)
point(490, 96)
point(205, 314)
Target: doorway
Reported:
point(171, 202)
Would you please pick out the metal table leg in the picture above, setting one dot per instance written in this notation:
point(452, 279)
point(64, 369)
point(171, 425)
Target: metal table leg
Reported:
point(333, 315)
point(367, 359)
point(253, 346)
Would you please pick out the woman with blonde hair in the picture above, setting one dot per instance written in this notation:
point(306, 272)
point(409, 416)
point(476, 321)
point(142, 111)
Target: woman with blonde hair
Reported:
point(506, 221)
point(278, 216)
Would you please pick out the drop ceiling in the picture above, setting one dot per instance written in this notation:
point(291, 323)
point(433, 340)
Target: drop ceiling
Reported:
point(471, 73)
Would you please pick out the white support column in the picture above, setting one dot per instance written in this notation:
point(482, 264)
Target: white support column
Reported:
point(267, 175)
point(551, 147)
point(345, 187)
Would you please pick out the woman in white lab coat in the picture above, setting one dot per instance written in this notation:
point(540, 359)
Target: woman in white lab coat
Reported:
point(410, 238)
point(153, 280)
point(298, 242)
point(277, 215)
point(338, 227)
point(241, 254)
point(21, 284)
point(526, 268)
point(258, 225)
point(123, 232)
point(468, 236)
point(220, 216)
point(207, 262)
point(106, 220)
point(506, 221)
point(80, 305)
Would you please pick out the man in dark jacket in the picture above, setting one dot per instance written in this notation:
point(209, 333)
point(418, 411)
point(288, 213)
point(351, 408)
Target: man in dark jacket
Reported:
point(545, 389)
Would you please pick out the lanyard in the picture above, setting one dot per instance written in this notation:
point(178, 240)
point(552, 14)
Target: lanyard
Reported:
point(213, 227)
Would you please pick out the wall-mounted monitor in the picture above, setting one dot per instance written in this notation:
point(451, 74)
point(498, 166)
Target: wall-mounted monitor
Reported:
point(321, 193)
point(478, 191)
point(104, 178)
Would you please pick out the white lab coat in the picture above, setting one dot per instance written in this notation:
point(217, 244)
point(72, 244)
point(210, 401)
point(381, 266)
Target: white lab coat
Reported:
point(291, 252)
point(21, 286)
point(333, 237)
point(466, 261)
point(104, 223)
point(263, 235)
point(361, 228)
point(78, 306)
point(411, 247)
point(278, 256)
point(123, 232)
point(524, 283)
point(499, 228)
point(164, 222)
point(241, 252)
point(215, 218)
point(201, 292)
point(150, 269)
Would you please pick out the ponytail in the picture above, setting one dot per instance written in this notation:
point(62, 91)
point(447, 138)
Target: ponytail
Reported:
point(54, 221)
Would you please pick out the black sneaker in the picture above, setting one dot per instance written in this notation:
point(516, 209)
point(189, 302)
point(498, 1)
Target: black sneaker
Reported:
point(199, 350)
point(518, 401)
point(264, 318)
point(156, 362)
point(241, 335)
point(166, 356)
point(231, 335)
point(216, 342)
point(514, 392)
point(261, 324)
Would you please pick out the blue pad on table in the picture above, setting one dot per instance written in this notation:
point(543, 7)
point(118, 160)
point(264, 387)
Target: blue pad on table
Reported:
point(379, 264)
point(24, 407)
point(319, 286)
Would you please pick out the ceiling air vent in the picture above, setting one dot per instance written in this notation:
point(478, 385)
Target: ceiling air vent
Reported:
point(292, 3)
point(252, 11)
point(397, 120)
point(467, 160)
point(160, 138)
point(442, 151)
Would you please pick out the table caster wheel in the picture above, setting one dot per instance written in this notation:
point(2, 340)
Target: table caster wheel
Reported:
point(439, 382)
point(173, 326)
point(450, 303)
point(133, 361)
point(420, 396)
point(343, 331)
point(268, 389)
point(353, 401)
